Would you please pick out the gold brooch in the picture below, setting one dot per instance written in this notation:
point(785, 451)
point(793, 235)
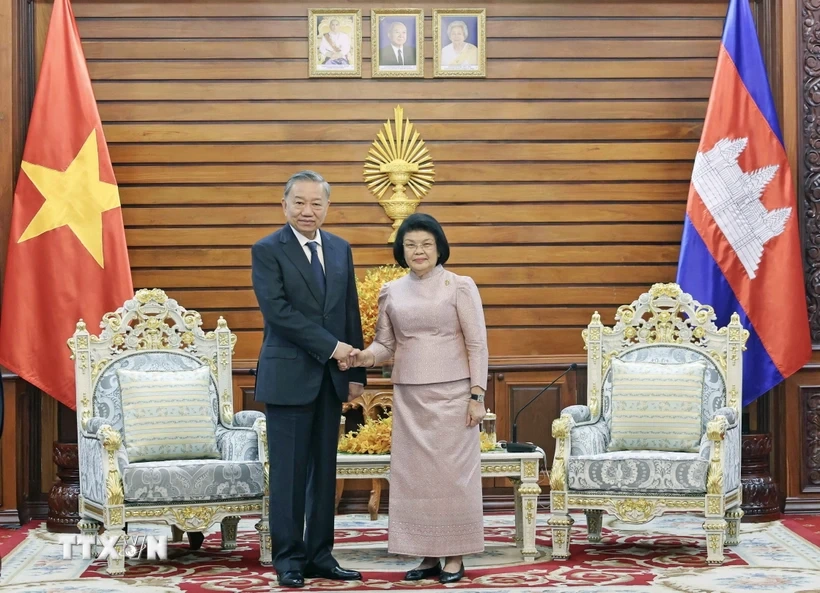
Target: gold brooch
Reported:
point(446, 283)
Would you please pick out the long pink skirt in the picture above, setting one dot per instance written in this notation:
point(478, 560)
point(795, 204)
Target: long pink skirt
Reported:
point(435, 473)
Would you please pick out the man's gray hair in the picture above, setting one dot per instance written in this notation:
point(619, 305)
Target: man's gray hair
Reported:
point(307, 175)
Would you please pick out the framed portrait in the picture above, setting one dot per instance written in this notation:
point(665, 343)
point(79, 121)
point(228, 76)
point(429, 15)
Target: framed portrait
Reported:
point(459, 42)
point(335, 42)
point(397, 42)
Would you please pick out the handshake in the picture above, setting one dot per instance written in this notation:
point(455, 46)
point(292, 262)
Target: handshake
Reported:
point(348, 357)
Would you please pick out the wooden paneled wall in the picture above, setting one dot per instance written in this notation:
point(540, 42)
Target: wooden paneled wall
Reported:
point(561, 179)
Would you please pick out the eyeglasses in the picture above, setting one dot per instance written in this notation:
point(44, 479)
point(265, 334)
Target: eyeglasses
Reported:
point(428, 246)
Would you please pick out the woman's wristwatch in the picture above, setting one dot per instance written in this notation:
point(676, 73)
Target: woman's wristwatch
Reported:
point(479, 397)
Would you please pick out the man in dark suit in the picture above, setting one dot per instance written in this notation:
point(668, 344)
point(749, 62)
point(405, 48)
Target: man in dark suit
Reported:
point(397, 53)
point(305, 284)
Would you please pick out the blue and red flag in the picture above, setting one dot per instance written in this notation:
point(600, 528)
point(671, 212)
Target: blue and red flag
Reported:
point(740, 250)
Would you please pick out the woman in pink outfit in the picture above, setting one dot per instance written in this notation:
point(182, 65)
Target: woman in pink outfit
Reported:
point(431, 323)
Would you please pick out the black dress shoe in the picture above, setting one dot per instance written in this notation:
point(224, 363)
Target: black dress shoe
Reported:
point(337, 573)
point(451, 577)
point(292, 578)
point(418, 574)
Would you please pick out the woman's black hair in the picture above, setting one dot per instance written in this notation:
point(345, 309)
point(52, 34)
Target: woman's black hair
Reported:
point(421, 222)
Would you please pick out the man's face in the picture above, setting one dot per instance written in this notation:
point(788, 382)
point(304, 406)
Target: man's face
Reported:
point(306, 207)
point(334, 26)
point(398, 34)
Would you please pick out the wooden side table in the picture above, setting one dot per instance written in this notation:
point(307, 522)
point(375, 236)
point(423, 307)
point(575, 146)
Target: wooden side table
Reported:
point(372, 402)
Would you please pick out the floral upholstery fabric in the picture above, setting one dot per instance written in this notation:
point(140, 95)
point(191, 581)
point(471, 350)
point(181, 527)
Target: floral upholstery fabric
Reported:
point(239, 444)
point(192, 481)
point(656, 471)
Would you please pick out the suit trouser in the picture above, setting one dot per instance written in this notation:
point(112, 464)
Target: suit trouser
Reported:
point(302, 445)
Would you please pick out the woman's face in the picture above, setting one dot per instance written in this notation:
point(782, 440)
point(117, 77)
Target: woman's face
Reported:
point(420, 251)
point(457, 35)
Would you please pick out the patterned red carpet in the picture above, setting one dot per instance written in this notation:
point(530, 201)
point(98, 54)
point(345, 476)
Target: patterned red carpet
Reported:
point(665, 555)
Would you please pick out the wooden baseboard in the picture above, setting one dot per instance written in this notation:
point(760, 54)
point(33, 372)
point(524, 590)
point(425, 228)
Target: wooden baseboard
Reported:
point(10, 518)
point(802, 506)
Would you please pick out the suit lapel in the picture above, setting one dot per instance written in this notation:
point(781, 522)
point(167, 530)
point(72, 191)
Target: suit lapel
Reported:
point(334, 269)
point(297, 255)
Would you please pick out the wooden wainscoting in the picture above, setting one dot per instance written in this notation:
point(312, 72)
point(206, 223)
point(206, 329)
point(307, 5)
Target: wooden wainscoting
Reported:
point(561, 178)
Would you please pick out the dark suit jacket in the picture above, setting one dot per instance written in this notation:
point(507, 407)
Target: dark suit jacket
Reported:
point(301, 331)
point(387, 57)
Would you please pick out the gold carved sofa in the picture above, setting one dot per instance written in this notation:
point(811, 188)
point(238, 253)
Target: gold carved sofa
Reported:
point(661, 431)
point(158, 440)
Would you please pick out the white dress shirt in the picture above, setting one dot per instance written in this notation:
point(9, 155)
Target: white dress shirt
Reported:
point(303, 241)
point(396, 51)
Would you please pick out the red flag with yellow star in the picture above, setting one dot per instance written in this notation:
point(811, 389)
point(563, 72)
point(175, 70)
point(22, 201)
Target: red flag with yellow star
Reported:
point(67, 258)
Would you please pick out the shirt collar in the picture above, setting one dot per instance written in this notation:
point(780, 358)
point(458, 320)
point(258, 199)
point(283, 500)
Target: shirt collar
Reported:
point(304, 240)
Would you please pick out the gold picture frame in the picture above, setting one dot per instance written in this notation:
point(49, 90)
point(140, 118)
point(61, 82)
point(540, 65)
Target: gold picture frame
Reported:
point(471, 60)
point(401, 56)
point(334, 53)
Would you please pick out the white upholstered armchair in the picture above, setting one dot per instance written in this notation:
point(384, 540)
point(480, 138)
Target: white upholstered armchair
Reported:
point(661, 431)
point(158, 440)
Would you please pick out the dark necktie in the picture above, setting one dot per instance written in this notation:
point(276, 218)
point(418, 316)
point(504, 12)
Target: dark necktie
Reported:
point(401, 58)
point(316, 265)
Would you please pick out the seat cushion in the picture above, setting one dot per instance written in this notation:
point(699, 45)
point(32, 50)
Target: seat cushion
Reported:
point(656, 406)
point(661, 471)
point(167, 415)
point(192, 480)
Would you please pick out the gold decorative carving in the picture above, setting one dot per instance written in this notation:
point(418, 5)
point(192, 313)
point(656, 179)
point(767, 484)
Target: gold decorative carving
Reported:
point(398, 157)
point(209, 360)
point(558, 502)
point(116, 516)
point(733, 397)
point(713, 505)
point(529, 489)
point(99, 366)
point(671, 290)
point(561, 427)
point(111, 442)
point(635, 510)
point(363, 471)
point(530, 469)
point(171, 512)
point(716, 429)
point(530, 511)
point(558, 476)
point(86, 403)
point(500, 469)
point(194, 518)
point(146, 295)
point(714, 477)
point(594, 400)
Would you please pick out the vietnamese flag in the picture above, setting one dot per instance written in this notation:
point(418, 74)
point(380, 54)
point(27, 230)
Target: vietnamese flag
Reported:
point(67, 258)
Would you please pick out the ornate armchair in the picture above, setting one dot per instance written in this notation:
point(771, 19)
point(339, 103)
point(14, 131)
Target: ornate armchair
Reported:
point(158, 440)
point(661, 431)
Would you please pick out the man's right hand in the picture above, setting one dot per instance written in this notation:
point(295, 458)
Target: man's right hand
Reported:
point(342, 352)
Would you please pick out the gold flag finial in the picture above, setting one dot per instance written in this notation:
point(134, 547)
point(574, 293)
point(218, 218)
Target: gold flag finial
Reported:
point(399, 158)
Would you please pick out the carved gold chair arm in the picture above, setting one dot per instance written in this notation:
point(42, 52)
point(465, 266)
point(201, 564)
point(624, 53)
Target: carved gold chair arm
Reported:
point(111, 441)
point(561, 430)
point(716, 428)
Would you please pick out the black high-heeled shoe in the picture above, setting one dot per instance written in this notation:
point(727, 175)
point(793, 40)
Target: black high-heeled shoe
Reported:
point(418, 574)
point(451, 577)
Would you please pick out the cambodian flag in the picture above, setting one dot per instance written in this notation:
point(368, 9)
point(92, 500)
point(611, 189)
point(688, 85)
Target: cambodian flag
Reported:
point(740, 250)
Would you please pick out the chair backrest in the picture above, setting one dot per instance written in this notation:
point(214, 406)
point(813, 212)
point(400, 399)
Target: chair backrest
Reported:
point(149, 332)
point(667, 325)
